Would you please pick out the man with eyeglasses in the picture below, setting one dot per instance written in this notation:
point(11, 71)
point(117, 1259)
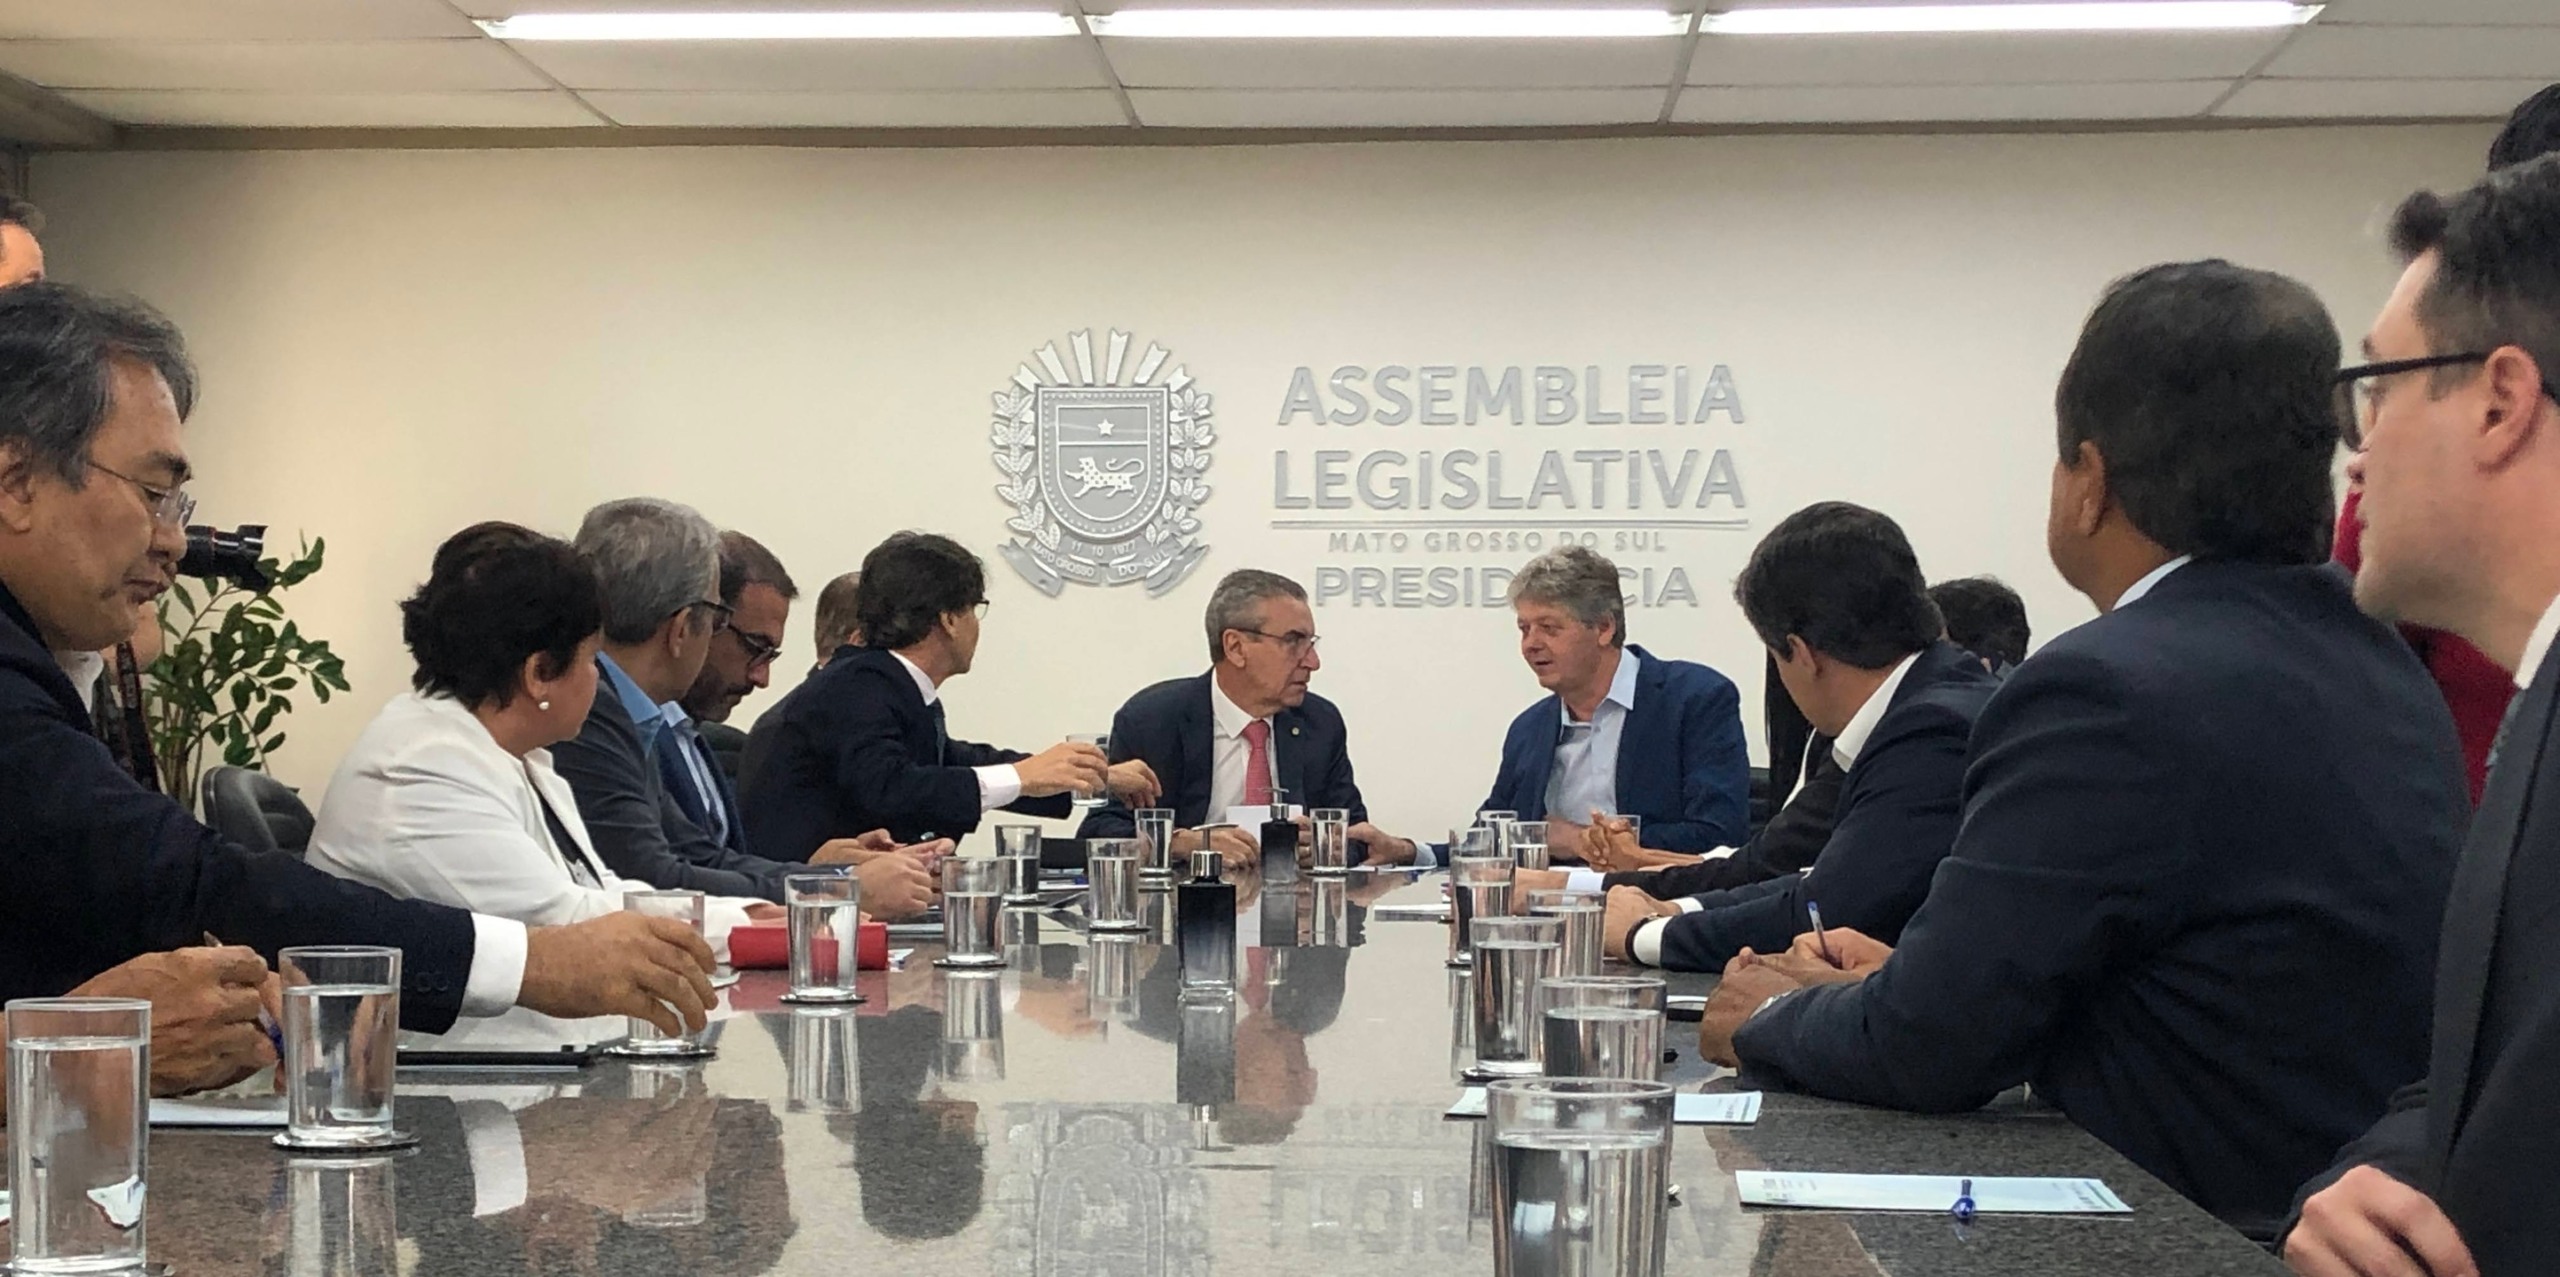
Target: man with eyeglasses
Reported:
point(658, 564)
point(1246, 730)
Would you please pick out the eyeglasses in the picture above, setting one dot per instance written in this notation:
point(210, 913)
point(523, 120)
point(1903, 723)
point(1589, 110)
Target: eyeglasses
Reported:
point(2359, 389)
point(720, 612)
point(759, 649)
point(1296, 644)
point(980, 607)
point(170, 507)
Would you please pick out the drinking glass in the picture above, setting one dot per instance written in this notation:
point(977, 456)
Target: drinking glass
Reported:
point(1492, 817)
point(341, 1045)
point(826, 1060)
point(1332, 833)
point(1526, 853)
point(1111, 878)
point(1581, 1176)
point(1018, 848)
point(970, 889)
point(1155, 834)
point(1581, 915)
point(1603, 1026)
point(79, 1074)
point(1480, 888)
point(1511, 956)
point(824, 914)
point(645, 1039)
point(1100, 741)
point(1635, 824)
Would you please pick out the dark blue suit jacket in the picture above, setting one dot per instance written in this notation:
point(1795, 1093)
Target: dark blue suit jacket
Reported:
point(857, 749)
point(689, 798)
point(2206, 846)
point(1172, 727)
point(1682, 764)
point(1899, 807)
point(101, 871)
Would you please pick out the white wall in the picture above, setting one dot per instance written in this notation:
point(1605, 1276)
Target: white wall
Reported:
point(803, 344)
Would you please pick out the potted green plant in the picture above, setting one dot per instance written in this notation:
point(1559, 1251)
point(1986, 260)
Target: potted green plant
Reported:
point(229, 664)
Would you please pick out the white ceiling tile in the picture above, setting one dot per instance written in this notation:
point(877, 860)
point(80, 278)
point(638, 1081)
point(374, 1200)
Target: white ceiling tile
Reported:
point(1392, 64)
point(271, 65)
point(1261, 109)
point(2519, 12)
point(1879, 104)
point(2322, 52)
point(839, 66)
point(2379, 99)
point(2017, 58)
point(228, 19)
point(510, 8)
point(1056, 108)
point(220, 109)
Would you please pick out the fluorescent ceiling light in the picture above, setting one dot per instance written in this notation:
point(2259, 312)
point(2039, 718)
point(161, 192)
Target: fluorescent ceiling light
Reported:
point(869, 25)
point(2112, 15)
point(1390, 24)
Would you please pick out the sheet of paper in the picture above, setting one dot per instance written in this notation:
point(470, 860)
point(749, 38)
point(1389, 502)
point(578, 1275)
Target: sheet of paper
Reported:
point(1251, 819)
point(1991, 1196)
point(898, 958)
point(1738, 1108)
point(220, 1110)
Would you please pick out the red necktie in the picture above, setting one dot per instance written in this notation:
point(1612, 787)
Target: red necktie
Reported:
point(1257, 763)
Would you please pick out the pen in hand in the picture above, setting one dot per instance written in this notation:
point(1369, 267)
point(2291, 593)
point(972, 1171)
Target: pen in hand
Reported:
point(1821, 941)
point(266, 1022)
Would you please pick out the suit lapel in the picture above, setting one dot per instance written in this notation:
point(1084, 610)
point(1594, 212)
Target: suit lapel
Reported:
point(1289, 757)
point(1650, 703)
point(2471, 914)
point(1194, 734)
point(727, 796)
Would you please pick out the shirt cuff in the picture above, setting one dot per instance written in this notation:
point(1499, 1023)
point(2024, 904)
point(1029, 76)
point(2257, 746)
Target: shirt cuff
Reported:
point(997, 786)
point(1586, 882)
point(1425, 856)
point(1646, 944)
point(1689, 904)
point(497, 966)
point(495, 1146)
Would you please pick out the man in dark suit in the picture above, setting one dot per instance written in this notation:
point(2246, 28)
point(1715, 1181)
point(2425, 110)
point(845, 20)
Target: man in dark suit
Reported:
point(1837, 595)
point(2207, 836)
point(837, 629)
point(1246, 729)
point(864, 745)
point(1985, 617)
point(657, 564)
point(758, 593)
point(1622, 731)
point(2461, 436)
point(106, 878)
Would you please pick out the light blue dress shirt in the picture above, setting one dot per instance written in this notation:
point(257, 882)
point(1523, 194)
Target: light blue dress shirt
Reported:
point(645, 714)
point(1585, 776)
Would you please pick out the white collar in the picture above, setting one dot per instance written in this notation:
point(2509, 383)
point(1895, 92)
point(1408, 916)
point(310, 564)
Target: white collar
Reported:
point(1229, 717)
point(924, 681)
point(83, 669)
point(1622, 689)
point(1853, 738)
point(2154, 577)
point(2537, 645)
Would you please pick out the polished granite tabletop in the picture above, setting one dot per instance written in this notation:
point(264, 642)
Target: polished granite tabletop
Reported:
point(1070, 1115)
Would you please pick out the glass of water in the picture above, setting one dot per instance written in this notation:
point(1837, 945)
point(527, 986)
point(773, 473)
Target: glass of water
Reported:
point(1511, 956)
point(1480, 887)
point(645, 1039)
point(1603, 1026)
point(1111, 893)
point(824, 914)
point(1581, 1175)
point(1581, 915)
point(341, 1044)
point(1332, 835)
point(1635, 824)
point(79, 1077)
point(1018, 850)
point(970, 889)
point(1495, 818)
point(1100, 741)
point(1155, 838)
point(1526, 852)
point(826, 1060)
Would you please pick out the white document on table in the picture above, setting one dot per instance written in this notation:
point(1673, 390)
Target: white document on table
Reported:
point(1991, 1196)
point(1735, 1108)
point(265, 1111)
point(1252, 819)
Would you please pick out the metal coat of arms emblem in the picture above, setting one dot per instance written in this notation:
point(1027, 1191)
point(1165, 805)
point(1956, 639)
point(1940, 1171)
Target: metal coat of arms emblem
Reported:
point(1102, 469)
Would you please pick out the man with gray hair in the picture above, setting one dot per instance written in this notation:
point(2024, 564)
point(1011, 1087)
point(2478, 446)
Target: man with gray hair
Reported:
point(658, 564)
point(1622, 732)
point(1248, 732)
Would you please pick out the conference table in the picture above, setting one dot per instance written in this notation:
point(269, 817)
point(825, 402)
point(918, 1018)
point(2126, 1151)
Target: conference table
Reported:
point(1071, 1115)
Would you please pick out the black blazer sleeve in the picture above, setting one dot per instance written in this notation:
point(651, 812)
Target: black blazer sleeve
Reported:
point(1787, 844)
point(2396, 1146)
point(101, 871)
point(626, 809)
point(2079, 825)
point(970, 754)
point(1132, 736)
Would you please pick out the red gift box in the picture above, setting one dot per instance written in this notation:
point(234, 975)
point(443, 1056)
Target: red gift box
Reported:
point(759, 946)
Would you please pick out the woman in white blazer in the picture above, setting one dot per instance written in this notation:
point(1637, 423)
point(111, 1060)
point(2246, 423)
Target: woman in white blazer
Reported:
point(449, 794)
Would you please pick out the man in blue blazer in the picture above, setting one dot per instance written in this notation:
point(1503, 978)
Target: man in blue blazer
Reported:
point(2207, 836)
point(1198, 735)
point(1622, 731)
point(1836, 593)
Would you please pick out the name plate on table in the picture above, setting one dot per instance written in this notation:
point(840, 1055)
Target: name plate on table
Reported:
point(1819, 1190)
point(1730, 1108)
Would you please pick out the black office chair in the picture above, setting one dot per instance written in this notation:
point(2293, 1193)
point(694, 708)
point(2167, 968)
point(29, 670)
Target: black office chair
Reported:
point(256, 811)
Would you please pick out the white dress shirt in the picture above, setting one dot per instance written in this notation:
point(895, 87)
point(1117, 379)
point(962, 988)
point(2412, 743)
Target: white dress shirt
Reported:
point(427, 806)
point(1229, 753)
point(998, 783)
point(2537, 645)
point(83, 669)
point(2133, 593)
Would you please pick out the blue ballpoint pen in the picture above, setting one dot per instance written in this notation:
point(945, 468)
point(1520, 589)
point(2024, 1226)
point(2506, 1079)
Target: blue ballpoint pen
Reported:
point(1814, 911)
point(266, 1022)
